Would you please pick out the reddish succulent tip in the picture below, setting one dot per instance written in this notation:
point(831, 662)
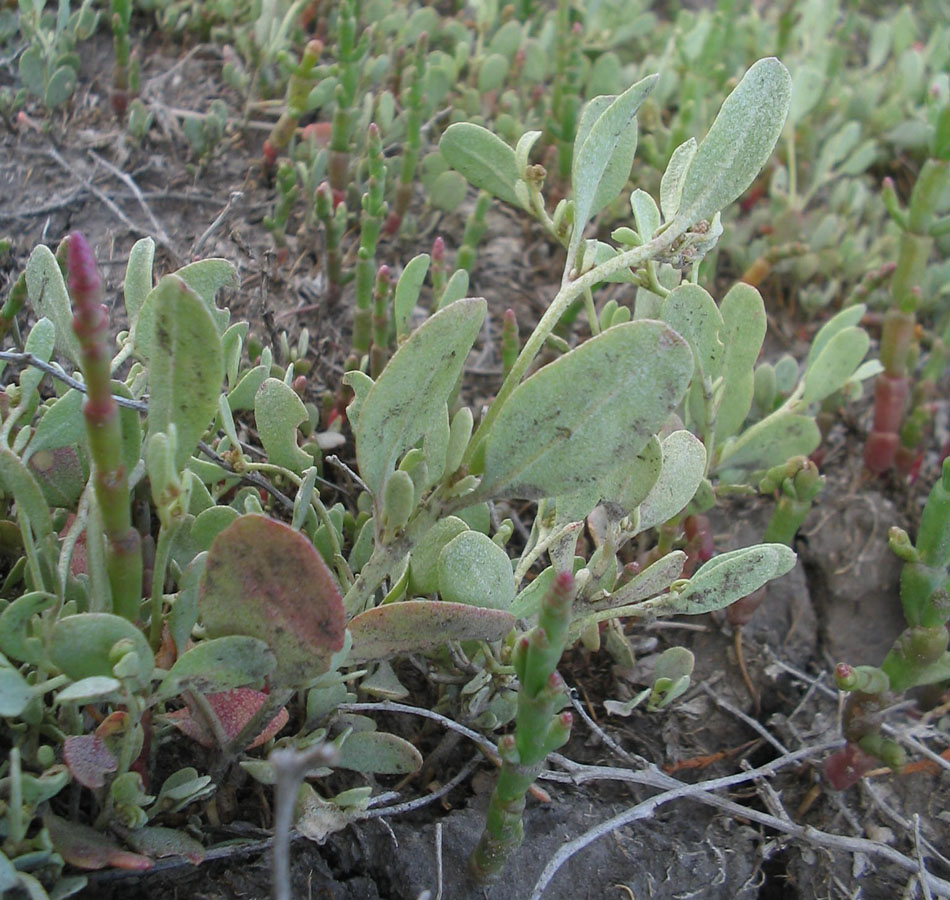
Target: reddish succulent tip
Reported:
point(373, 130)
point(383, 272)
point(84, 280)
point(564, 582)
point(843, 670)
point(438, 249)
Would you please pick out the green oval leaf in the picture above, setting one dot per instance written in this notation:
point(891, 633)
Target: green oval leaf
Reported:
point(46, 290)
point(217, 665)
point(602, 161)
point(186, 367)
point(138, 277)
point(407, 292)
point(81, 646)
point(739, 142)
point(684, 465)
point(403, 403)
point(725, 579)
point(474, 570)
point(744, 326)
point(580, 416)
point(483, 158)
point(835, 364)
point(379, 753)
point(278, 410)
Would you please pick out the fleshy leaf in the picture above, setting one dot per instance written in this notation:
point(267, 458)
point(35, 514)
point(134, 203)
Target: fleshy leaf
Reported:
point(89, 759)
point(16, 479)
point(771, 442)
point(267, 581)
point(585, 413)
point(407, 292)
point(420, 625)
point(645, 213)
point(81, 646)
point(86, 848)
point(234, 709)
point(483, 158)
point(738, 143)
point(671, 184)
point(744, 326)
point(684, 465)
point(15, 692)
point(186, 367)
point(218, 665)
point(46, 289)
point(474, 570)
point(379, 753)
point(278, 410)
point(158, 842)
point(16, 630)
point(653, 580)
point(138, 277)
point(412, 390)
point(602, 160)
point(205, 277)
point(95, 688)
point(835, 364)
point(725, 579)
point(423, 562)
point(692, 313)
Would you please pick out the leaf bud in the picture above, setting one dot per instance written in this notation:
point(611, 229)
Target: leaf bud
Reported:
point(398, 497)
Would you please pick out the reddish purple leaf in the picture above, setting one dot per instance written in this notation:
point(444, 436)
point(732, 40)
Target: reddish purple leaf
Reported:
point(234, 710)
point(265, 580)
point(89, 759)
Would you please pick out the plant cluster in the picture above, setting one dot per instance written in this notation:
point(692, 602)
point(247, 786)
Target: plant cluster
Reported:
point(180, 562)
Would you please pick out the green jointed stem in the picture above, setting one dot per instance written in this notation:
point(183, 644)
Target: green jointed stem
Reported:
point(371, 220)
point(539, 730)
point(123, 551)
point(379, 353)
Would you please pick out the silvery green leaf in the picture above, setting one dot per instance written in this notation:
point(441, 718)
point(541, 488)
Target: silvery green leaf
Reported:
point(359, 383)
point(380, 753)
point(725, 579)
point(407, 292)
point(653, 580)
point(603, 156)
point(739, 142)
point(95, 688)
point(771, 442)
point(205, 278)
point(578, 417)
point(138, 277)
point(597, 252)
point(684, 465)
point(846, 318)
point(475, 571)
point(624, 487)
point(645, 213)
point(278, 410)
point(16, 480)
point(46, 290)
point(424, 559)
point(60, 88)
point(671, 184)
point(691, 312)
point(744, 325)
point(483, 158)
point(187, 365)
point(807, 87)
point(456, 288)
point(15, 692)
point(835, 364)
point(412, 390)
point(523, 148)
